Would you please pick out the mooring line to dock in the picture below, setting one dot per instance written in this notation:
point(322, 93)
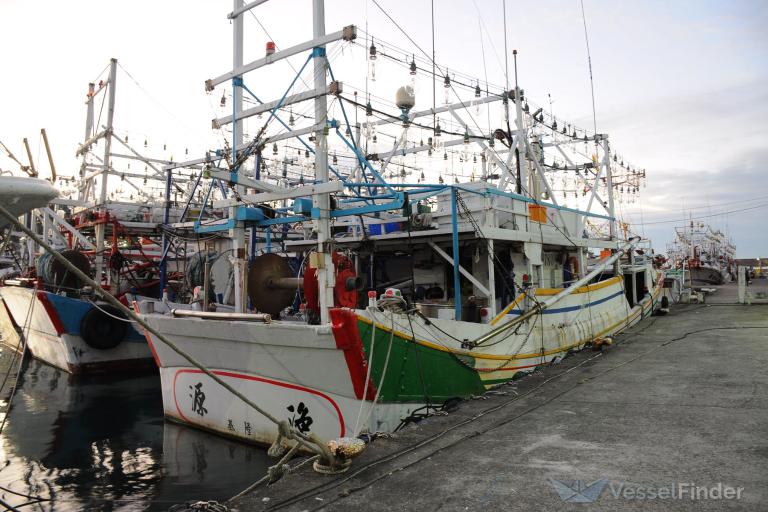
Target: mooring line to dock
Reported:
point(311, 442)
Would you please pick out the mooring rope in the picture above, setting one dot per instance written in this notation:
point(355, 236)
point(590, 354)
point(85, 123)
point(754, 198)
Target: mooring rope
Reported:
point(367, 379)
point(383, 372)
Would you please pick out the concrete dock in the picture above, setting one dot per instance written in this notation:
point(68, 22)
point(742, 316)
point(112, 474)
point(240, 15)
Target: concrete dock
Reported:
point(674, 416)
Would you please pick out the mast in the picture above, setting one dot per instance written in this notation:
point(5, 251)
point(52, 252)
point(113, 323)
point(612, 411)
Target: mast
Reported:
point(322, 201)
point(83, 191)
point(100, 227)
point(609, 184)
point(108, 134)
point(237, 233)
point(520, 151)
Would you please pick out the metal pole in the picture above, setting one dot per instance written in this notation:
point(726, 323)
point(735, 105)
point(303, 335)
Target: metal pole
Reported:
point(32, 170)
point(609, 183)
point(100, 228)
point(166, 219)
point(206, 280)
point(491, 280)
point(84, 189)
point(520, 151)
point(237, 234)
point(108, 136)
point(48, 152)
point(89, 114)
point(322, 201)
point(456, 261)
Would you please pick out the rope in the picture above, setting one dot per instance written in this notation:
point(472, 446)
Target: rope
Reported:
point(367, 379)
point(312, 442)
point(383, 372)
point(285, 468)
point(111, 315)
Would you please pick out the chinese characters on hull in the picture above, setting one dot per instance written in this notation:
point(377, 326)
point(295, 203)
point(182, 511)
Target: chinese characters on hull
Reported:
point(198, 399)
point(303, 421)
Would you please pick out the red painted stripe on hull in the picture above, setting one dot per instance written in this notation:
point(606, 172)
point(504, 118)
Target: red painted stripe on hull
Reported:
point(347, 337)
point(52, 313)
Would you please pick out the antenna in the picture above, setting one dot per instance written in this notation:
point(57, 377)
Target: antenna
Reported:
point(589, 62)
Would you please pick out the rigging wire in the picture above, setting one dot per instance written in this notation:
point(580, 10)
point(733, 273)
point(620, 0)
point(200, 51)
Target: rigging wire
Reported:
point(759, 206)
point(490, 39)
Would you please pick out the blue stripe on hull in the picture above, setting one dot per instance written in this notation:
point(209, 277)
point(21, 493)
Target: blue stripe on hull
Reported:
point(71, 312)
point(571, 308)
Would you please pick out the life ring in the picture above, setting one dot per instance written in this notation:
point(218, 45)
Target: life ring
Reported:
point(102, 331)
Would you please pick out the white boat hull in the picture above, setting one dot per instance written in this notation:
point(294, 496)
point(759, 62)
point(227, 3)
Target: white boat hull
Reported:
point(20, 195)
point(51, 328)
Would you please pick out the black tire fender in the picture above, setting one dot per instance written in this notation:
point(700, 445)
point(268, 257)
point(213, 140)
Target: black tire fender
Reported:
point(102, 331)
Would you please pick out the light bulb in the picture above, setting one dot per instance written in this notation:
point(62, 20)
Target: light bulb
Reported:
point(476, 100)
point(477, 106)
point(438, 137)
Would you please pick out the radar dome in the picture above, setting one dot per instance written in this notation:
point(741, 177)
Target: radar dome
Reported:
point(405, 98)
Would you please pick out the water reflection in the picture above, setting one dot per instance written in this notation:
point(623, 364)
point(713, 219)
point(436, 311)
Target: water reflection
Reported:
point(101, 444)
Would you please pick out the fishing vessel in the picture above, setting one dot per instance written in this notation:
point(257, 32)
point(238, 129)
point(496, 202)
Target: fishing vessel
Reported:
point(376, 285)
point(705, 252)
point(107, 232)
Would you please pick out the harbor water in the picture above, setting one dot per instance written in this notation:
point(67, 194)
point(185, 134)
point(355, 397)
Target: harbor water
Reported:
point(101, 444)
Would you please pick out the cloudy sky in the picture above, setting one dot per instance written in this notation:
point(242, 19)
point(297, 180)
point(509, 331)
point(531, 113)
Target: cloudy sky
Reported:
point(681, 86)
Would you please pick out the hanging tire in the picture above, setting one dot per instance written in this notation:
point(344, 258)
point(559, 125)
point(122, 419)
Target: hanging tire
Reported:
point(100, 330)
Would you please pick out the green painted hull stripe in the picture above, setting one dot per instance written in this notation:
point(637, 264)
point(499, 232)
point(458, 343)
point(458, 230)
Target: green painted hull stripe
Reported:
point(416, 373)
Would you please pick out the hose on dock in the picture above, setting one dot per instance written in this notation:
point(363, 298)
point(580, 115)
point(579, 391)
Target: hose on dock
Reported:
point(309, 441)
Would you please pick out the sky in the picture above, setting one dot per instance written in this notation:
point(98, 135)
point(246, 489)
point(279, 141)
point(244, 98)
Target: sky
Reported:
point(680, 86)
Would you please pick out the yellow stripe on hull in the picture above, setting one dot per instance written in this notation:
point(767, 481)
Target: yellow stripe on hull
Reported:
point(492, 357)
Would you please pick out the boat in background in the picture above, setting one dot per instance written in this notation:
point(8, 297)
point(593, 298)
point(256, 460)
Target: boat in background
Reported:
point(21, 194)
point(109, 235)
point(706, 253)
